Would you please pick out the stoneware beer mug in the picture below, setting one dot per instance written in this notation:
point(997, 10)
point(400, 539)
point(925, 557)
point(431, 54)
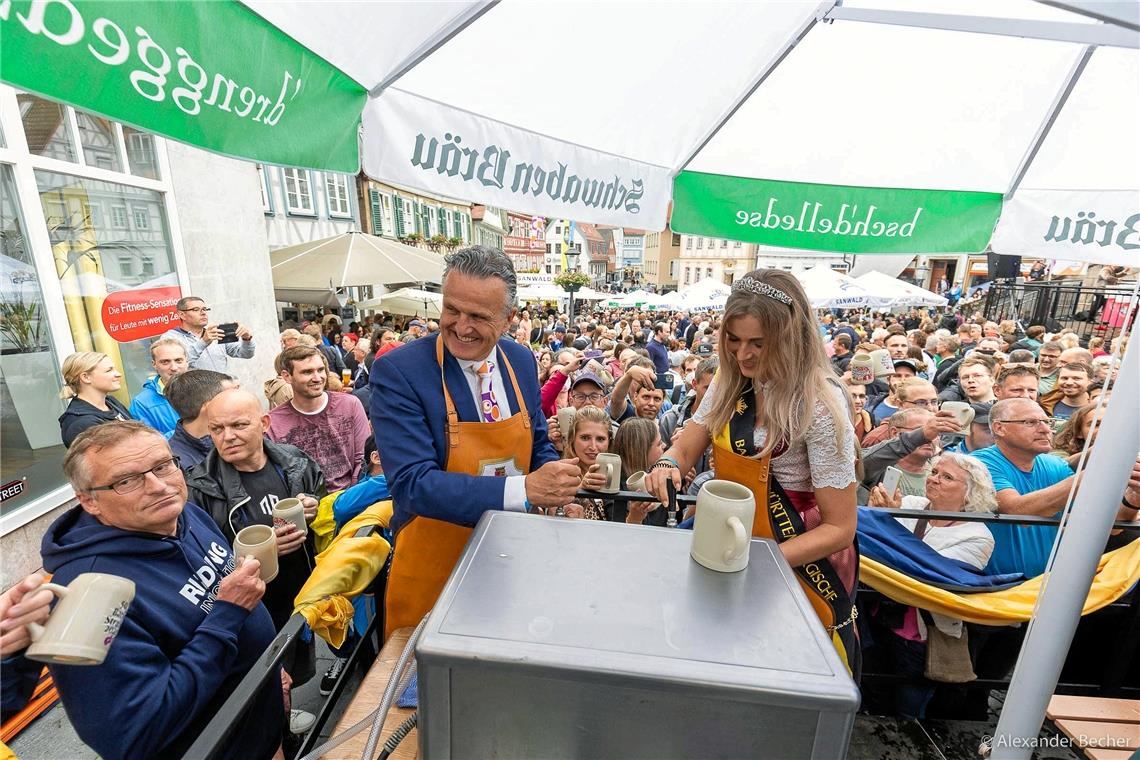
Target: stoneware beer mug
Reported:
point(636, 482)
point(962, 412)
point(260, 542)
point(881, 363)
point(610, 464)
point(565, 420)
point(722, 530)
point(290, 511)
point(862, 369)
point(84, 622)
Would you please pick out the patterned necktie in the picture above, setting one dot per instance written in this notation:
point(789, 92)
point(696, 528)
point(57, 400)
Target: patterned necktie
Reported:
point(489, 405)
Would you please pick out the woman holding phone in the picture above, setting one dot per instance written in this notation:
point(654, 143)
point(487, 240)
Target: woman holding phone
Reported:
point(780, 424)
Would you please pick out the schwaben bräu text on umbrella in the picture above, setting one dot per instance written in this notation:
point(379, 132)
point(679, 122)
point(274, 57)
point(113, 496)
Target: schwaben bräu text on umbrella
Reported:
point(111, 45)
point(492, 167)
point(1087, 226)
point(815, 218)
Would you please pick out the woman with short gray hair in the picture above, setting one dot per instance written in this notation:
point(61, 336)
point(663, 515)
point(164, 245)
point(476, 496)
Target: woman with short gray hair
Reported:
point(954, 483)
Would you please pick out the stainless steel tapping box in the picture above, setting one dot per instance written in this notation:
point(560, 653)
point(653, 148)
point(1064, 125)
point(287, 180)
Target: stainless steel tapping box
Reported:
point(561, 638)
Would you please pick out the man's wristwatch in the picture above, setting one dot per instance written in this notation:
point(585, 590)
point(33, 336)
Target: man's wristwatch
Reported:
point(1126, 505)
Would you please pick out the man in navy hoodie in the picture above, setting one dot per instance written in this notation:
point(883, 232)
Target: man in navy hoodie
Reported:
point(196, 625)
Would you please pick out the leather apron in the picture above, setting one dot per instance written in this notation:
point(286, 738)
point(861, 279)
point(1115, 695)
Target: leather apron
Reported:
point(427, 549)
point(816, 578)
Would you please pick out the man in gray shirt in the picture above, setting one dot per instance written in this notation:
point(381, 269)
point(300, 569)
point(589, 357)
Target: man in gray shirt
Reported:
point(201, 337)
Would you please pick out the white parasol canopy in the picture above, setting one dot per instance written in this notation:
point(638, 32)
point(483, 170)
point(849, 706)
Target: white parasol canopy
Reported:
point(353, 258)
point(901, 293)
point(408, 301)
point(828, 289)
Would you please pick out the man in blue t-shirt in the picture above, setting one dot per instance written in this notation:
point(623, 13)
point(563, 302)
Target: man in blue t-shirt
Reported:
point(1028, 480)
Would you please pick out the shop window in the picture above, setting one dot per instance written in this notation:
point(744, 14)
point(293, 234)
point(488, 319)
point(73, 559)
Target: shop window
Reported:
point(141, 155)
point(88, 257)
point(46, 127)
point(29, 369)
point(100, 146)
point(298, 195)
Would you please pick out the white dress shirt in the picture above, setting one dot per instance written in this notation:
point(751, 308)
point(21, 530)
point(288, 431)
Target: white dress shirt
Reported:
point(514, 491)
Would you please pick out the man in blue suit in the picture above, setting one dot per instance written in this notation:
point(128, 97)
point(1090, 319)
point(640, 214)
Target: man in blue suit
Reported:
point(458, 423)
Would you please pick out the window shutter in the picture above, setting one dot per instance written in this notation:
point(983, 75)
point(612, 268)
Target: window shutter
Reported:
point(398, 210)
point(416, 217)
point(377, 212)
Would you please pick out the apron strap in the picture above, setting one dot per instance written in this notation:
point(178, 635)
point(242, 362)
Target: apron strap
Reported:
point(453, 415)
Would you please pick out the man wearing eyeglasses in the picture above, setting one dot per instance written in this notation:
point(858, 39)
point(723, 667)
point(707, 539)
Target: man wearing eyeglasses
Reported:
point(1028, 480)
point(201, 337)
point(196, 625)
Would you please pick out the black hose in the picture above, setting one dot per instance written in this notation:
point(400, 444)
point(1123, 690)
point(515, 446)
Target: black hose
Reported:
point(398, 736)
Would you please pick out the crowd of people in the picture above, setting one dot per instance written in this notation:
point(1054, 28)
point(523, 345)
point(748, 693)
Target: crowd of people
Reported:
point(453, 417)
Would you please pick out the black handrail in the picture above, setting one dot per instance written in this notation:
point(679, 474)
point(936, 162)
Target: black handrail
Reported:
point(228, 717)
point(985, 517)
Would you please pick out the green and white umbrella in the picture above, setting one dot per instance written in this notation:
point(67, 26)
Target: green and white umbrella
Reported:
point(874, 126)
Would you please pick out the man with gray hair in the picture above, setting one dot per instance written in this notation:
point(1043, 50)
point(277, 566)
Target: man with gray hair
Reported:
point(459, 426)
point(208, 346)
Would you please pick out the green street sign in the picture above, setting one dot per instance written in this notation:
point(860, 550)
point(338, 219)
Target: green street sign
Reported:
point(833, 217)
point(212, 74)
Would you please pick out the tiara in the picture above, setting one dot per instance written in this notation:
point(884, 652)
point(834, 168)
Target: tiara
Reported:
point(761, 289)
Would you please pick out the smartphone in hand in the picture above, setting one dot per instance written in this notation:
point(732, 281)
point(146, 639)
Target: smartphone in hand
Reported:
point(229, 330)
point(891, 480)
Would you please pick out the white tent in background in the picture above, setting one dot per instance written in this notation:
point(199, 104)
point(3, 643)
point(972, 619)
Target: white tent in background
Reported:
point(636, 298)
point(589, 294)
point(703, 294)
point(541, 291)
point(901, 293)
point(411, 302)
point(828, 289)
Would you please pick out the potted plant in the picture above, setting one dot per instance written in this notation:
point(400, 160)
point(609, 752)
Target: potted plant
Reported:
point(571, 281)
point(22, 325)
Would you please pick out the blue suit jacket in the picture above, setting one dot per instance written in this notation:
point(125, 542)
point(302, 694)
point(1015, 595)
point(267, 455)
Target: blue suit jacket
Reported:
point(409, 420)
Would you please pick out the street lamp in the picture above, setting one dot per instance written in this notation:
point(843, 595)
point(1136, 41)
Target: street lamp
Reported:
point(572, 265)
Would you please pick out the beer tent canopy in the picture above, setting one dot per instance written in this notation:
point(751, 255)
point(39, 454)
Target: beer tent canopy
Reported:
point(876, 126)
point(900, 293)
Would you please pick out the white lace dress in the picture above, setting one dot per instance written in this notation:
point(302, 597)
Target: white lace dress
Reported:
point(809, 463)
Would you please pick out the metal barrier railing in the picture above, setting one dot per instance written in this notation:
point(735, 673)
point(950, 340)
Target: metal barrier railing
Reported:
point(1060, 306)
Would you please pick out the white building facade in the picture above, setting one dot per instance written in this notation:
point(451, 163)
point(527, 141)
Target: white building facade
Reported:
point(103, 228)
point(301, 205)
